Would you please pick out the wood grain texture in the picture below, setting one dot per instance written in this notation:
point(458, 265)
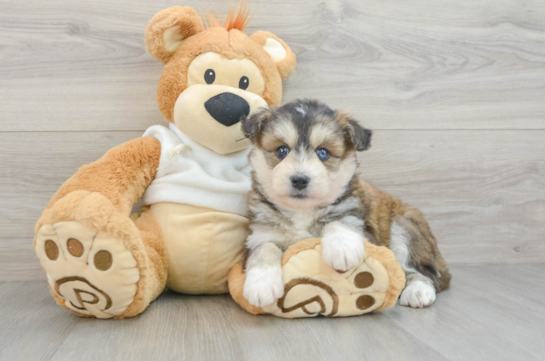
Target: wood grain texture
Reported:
point(483, 192)
point(491, 312)
point(32, 325)
point(81, 65)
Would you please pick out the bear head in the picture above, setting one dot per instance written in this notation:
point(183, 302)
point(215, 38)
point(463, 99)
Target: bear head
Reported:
point(213, 76)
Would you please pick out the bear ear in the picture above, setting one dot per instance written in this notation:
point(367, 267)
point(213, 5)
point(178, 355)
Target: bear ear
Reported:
point(278, 50)
point(168, 28)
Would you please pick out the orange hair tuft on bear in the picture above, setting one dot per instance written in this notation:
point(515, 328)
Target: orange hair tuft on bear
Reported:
point(234, 20)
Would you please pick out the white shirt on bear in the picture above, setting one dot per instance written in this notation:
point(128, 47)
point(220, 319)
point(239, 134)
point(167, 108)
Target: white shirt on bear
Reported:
point(190, 173)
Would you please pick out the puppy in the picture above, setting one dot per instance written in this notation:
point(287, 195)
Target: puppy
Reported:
point(305, 184)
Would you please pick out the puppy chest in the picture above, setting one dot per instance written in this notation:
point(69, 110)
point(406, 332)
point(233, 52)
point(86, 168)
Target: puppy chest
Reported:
point(302, 227)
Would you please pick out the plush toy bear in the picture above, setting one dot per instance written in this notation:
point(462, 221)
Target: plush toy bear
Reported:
point(193, 178)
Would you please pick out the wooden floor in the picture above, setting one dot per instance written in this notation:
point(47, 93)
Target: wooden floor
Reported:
point(492, 312)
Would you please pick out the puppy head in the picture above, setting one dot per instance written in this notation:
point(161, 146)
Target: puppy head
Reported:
point(304, 153)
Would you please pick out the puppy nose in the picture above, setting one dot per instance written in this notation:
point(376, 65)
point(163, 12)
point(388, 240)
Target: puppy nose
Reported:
point(299, 182)
point(227, 108)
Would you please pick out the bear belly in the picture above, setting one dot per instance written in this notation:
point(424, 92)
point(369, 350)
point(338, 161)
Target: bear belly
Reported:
point(202, 244)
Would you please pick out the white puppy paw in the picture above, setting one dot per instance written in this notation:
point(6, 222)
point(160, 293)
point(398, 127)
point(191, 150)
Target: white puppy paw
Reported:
point(417, 294)
point(342, 250)
point(263, 285)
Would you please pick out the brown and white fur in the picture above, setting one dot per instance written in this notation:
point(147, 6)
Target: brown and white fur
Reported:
point(298, 196)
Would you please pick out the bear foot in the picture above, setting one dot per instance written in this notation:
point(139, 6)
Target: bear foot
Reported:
point(84, 252)
point(312, 288)
point(93, 272)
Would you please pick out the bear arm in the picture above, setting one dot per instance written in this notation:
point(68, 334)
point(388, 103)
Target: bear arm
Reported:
point(121, 175)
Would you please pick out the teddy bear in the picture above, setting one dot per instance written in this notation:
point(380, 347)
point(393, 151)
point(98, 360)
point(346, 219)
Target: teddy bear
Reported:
point(193, 178)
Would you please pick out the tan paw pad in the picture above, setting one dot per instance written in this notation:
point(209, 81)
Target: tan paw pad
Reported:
point(93, 272)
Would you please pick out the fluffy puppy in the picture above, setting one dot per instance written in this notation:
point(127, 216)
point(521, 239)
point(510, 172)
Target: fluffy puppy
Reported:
point(305, 185)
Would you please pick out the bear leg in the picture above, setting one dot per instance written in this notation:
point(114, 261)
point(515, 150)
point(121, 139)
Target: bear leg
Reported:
point(99, 263)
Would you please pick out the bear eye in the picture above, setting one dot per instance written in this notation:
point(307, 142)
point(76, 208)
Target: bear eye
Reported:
point(209, 76)
point(323, 154)
point(243, 83)
point(282, 152)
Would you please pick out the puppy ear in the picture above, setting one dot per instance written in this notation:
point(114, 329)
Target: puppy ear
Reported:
point(251, 125)
point(360, 136)
point(278, 50)
point(168, 28)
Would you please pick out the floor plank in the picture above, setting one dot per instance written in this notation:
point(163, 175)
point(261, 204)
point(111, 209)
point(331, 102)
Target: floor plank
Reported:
point(484, 316)
point(372, 338)
point(32, 326)
point(177, 327)
point(491, 312)
point(79, 65)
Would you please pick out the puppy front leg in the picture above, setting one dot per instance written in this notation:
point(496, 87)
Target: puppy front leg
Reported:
point(264, 283)
point(342, 243)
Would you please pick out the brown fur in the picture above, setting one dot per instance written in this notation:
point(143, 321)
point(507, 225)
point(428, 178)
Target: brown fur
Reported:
point(187, 18)
point(129, 167)
point(425, 255)
point(381, 210)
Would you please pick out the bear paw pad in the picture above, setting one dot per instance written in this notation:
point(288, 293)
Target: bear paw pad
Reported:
point(92, 272)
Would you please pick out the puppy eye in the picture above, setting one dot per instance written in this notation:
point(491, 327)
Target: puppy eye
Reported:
point(243, 83)
point(322, 153)
point(282, 152)
point(209, 76)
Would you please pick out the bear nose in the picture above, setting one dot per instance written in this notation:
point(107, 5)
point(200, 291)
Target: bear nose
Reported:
point(227, 108)
point(299, 182)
